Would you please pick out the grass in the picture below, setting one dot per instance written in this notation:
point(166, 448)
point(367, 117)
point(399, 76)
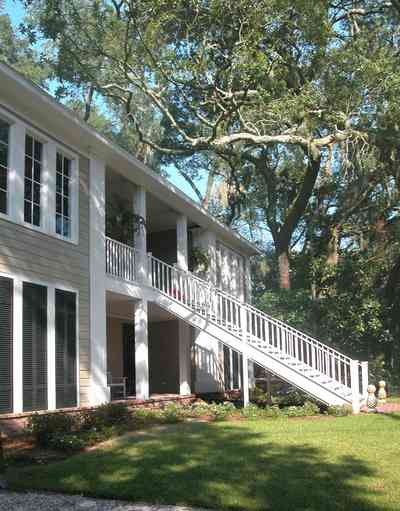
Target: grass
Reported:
point(349, 463)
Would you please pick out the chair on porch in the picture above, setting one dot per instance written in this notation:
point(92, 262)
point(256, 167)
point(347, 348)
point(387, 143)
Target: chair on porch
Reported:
point(117, 387)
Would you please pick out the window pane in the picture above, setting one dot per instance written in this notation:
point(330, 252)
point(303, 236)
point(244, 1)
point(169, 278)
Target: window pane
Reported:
point(28, 212)
point(28, 189)
point(59, 224)
point(3, 155)
point(66, 186)
point(3, 178)
point(59, 163)
point(4, 130)
point(36, 193)
point(66, 206)
point(3, 202)
point(28, 145)
point(28, 167)
point(36, 171)
point(38, 150)
point(58, 203)
point(66, 227)
point(59, 183)
point(67, 164)
point(36, 215)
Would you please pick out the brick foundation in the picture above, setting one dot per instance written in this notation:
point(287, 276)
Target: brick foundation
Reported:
point(14, 424)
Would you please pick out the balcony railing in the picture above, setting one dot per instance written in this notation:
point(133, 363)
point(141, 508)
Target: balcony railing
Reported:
point(120, 260)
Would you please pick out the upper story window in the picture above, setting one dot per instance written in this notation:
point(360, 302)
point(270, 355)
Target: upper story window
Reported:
point(4, 145)
point(63, 195)
point(33, 180)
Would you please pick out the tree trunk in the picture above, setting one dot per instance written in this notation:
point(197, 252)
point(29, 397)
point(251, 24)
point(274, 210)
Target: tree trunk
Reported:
point(333, 247)
point(284, 269)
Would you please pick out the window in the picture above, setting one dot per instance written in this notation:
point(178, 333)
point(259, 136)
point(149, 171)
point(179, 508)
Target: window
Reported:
point(4, 144)
point(63, 196)
point(66, 388)
point(34, 334)
point(6, 344)
point(33, 180)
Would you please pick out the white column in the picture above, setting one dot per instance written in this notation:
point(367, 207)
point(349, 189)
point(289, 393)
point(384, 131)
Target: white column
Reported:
point(139, 208)
point(98, 321)
point(51, 348)
point(17, 171)
point(355, 385)
point(141, 350)
point(184, 359)
point(245, 383)
point(252, 379)
point(364, 379)
point(17, 348)
point(182, 243)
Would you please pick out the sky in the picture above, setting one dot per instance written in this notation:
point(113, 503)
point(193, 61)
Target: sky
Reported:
point(15, 10)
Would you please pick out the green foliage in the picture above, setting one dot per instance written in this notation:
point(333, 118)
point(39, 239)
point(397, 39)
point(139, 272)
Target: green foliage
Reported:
point(70, 432)
point(340, 411)
point(45, 427)
point(110, 414)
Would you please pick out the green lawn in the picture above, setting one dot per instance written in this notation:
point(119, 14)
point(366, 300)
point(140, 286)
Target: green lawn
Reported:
point(349, 463)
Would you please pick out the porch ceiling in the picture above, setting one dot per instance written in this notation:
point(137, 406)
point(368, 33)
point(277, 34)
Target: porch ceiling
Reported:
point(121, 306)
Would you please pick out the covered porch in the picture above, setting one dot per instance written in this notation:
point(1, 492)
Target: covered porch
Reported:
point(162, 365)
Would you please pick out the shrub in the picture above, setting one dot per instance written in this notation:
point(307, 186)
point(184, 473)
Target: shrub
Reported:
point(252, 411)
point(71, 442)
point(222, 411)
point(45, 427)
point(340, 411)
point(110, 414)
point(147, 414)
point(258, 396)
point(173, 413)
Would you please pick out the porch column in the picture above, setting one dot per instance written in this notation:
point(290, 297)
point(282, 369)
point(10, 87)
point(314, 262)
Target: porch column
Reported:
point(99, 392)
point(139, 208)
point(184, 359)
point(252, 379)
point(182, 243)
point(141, 350)
point(245, 383)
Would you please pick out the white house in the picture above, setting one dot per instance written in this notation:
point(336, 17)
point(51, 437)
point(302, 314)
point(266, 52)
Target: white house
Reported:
point(82, 309)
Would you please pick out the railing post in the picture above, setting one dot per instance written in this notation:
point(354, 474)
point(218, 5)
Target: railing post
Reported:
point(364, 379)
point(355, 385)
point(243, 323)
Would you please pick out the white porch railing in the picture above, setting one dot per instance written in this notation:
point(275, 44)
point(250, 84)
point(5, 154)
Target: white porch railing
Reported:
point(120, 260)
point(242, 319)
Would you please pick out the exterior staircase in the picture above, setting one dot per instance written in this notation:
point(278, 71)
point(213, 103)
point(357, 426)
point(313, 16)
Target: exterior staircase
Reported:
point(314, 367)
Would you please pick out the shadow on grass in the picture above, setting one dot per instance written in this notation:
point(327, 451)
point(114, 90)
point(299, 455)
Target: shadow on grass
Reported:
point(223, 467)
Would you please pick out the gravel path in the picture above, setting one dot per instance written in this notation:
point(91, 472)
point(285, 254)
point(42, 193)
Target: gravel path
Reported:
point(10, 501)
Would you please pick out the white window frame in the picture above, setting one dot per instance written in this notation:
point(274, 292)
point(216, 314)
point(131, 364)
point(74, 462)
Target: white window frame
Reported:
point(10, 181)
point(16, 179)
point(74, 194)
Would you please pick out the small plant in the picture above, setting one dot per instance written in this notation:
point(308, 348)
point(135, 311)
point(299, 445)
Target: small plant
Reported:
point(71, 442)
point(340, 411)
point(259, 397)
point(45, 427)
point(173, 413)
point(106, 415)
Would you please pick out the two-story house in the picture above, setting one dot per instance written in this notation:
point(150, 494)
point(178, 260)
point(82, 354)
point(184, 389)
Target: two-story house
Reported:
point(83, 307)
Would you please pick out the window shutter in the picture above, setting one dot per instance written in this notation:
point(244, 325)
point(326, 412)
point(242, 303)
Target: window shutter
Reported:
point(6, 344)
point(66, 385)
point(34, 347)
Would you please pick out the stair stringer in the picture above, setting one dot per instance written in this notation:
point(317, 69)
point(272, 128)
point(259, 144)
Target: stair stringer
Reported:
point(256, 354)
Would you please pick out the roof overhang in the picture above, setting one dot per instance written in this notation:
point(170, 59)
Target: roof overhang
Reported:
point(33, 103)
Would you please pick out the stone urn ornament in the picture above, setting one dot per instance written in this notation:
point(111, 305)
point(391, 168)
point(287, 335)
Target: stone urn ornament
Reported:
point(371, 399)
point(382, 394)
